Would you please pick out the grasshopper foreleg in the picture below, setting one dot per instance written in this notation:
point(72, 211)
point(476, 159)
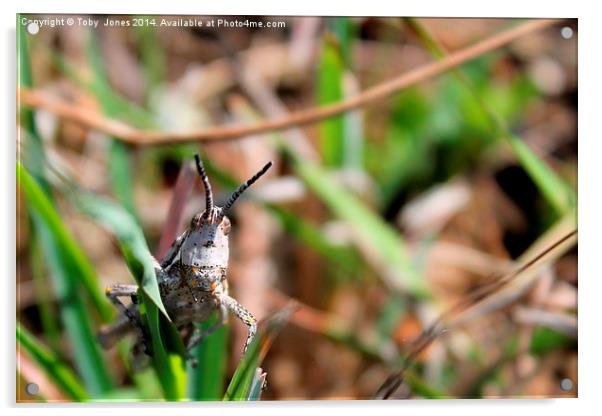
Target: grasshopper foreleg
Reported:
point(243, 314)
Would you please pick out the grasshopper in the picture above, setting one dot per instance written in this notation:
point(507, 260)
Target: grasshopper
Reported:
point(192, 277)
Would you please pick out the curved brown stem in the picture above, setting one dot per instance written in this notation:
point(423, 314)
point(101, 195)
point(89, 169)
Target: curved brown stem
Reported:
point(124, 132)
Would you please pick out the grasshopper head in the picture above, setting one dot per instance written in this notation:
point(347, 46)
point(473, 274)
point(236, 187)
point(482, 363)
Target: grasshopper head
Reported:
point(205, 250)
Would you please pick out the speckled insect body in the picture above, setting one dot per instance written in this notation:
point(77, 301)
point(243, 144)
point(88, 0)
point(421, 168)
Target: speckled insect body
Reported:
point(192, 277)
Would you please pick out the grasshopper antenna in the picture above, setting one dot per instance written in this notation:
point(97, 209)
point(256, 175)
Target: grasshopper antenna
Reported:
point(244, 187)
point(208, 194)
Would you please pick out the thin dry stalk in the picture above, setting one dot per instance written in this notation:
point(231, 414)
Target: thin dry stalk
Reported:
point(124, 132)
point(464, 310)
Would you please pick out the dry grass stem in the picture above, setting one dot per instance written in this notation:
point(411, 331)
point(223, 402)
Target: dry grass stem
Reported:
point(126, 133)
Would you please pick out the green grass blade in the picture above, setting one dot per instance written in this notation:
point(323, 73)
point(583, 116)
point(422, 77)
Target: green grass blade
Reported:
point(167, 347)
point(242, 380)
point(343, 29)
point(545, 340)
point(207, 380)
point(120, 173)
point(129, 236)
point(168, 351)
point(36, 156)
point(345, 257)
point(240, 385)
point(48, 314)
point(422, 388)
point(152, 55)
point(69, 269)
point(330, 89)
point(24, 78)
point(56, 370)
point(77, 260)
point(256, 385)
point(118, 157)
point(556, 191)
point(385, 242)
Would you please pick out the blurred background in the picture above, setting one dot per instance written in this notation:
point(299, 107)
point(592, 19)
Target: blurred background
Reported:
point(372, 222)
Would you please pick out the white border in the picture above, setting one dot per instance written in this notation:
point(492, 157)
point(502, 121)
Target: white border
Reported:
point(590, 209)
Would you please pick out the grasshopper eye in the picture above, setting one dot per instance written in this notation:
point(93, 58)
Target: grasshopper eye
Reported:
point(226, 225)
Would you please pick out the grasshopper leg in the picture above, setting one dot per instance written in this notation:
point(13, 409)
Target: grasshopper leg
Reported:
point(173, 250)
point(116, 291)
point(243, 314)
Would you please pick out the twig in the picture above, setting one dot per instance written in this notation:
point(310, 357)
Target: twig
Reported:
point(132, 135)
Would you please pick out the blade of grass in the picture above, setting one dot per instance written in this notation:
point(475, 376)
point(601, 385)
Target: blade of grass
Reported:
point(26, 117)
point(167, 347)
point(342, 28)
point(556, 191)
point(238, 389)
point(330, 89)
point(68, 266)
point(240, 385)
point(545, 340)
point(48, 315)
point(353, 132)
point(383, 240)
point(256, 385)
point(345, 257)
point(422, 388)
point(207, 380)
point(341, 136)
point(152, 55)
point(46, 214)
point(69, 269)
point(145, 380)
point(56, 370)
point(118, 157)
